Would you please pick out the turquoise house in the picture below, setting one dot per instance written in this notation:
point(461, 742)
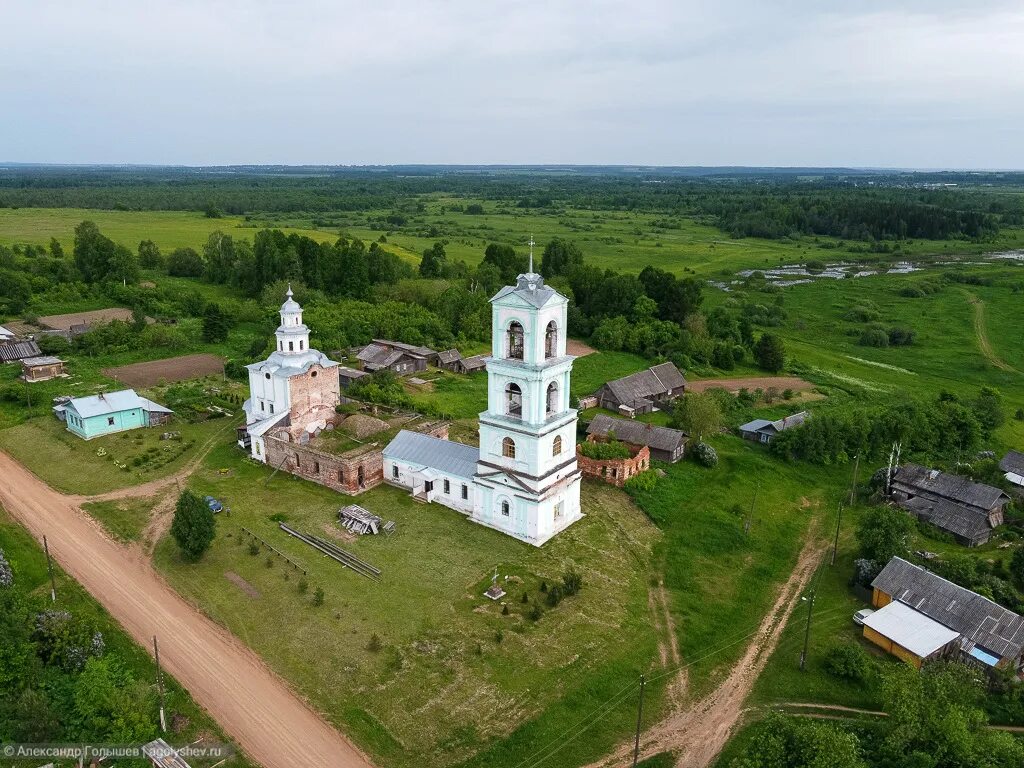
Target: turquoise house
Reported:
point(109, 412)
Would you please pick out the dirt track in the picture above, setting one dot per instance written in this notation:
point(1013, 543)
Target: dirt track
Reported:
point(780, 383)
point(252, 704)
point(697, 733)
point(981, 334)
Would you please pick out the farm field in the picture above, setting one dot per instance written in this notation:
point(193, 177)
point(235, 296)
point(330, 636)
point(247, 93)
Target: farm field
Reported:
point(168, 370)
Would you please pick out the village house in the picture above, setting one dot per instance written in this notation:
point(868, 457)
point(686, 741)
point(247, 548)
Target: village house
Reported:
point(664, 444)
point(108, 412)
point(452, 360)
point(643, 391)
point(42, 368)
point(764, 430)
point(395, 356)
point(923, 616)
point(1012, 464)
point(953, 503)
point(346, 376)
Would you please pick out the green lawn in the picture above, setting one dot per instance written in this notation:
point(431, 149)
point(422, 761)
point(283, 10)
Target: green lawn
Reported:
point(442, 688)
point(73, 465)
point(125, 519)
point(29, 564)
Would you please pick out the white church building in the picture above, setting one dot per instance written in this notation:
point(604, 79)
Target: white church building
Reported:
point(523, 479)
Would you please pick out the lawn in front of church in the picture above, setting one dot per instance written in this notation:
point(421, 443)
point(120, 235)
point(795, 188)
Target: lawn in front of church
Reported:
point(453, 677)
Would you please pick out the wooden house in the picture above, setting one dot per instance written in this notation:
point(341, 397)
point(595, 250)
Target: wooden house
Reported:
point(1012, 465)
point(42, 368)
point(665, 444)
point(395, 356)
point(109, 412)
point(967, 510)
point(643, 391)
point(346, 376)
point(764, 430)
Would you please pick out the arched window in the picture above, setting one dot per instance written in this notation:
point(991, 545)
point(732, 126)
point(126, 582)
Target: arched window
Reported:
point(514, 401)
point(551, 340)
point(508, 448)
point(556, 446)
point(505, 509)
point(552, 399)
point(515, 341)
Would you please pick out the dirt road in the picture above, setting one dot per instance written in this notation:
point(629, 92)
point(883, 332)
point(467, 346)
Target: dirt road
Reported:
point(698, 732)
point(253, 705)
point(981, 334)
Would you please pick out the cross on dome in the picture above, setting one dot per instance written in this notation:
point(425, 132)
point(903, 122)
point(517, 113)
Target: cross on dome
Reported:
point(531, 252)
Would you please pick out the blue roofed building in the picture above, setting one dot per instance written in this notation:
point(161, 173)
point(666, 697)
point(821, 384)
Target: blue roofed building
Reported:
point(109, 412)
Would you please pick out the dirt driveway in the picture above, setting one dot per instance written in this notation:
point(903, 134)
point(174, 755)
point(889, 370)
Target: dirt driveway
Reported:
point(253, 705)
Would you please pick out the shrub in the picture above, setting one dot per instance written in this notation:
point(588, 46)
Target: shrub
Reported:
point(525, 598)
point(504, 610)
point(318, 596)
point(613, 449)
point(901, 337)
point(572, 582)
point(787, 394)
point(254, 548)
point(270, 561)
point(499, 635)
point(543, 586)
point(554, 596)
point(1019, 415)
point(303, 585)
point(848, 661)
point(535, 613)
point(374, 645)
point(642, 481)
point(874, 337)
point(705, 455)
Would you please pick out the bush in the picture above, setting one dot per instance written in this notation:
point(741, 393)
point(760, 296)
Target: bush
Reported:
point(318, 596)
point(303, 585)
point(193, 527)
point(848, 661)
point(254, 548)
point(554, 596)
point(535, 613)
point(705, 455)
point(600, 451)
point(642, 481)
point(499, 635)
point(504, 610)
point(874, 337)
point(375, 644)
point(901, 337)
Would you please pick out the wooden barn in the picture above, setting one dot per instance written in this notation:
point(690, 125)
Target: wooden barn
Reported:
point(643, 391)
point(665, 444)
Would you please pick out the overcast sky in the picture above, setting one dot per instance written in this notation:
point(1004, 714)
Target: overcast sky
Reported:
point(928, 84)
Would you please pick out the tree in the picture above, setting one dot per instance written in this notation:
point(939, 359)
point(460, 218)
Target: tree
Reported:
point(150, 256)
point(769, 353)
point(93, 252)
point(510, 265)
point(219, 253)
point(782, 741)
point(215, 323)
point(433, 262)
point(6, 574)
point(988, 409)
point(560, 257)
point(883, 533)
point(698, 414)
point(193, 526)
point(56, 249)
point(185, 262)
point(110, 703)
point(123, 266)
point(1017, 567)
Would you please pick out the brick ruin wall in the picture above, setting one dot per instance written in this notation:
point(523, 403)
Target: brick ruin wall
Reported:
point(615, 471)
point(349, 474)
point(314, 397)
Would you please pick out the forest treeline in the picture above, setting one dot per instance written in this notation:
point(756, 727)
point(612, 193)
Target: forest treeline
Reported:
point(852, 209)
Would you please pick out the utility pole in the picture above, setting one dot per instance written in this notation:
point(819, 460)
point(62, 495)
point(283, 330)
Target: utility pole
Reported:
point(639, 715)
point(49, 569)
point(853, 486)
point(160, 686)
point(750, 517)
point(835, 545)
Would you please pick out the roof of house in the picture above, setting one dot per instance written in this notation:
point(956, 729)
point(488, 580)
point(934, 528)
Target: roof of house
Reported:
point(950, 516)
point(448, 356)
point(759, 425)
point(46, 360)
point(113, 402)
point(18, 350)
point(5, 333)
point(910, 629)
point(530, 288)
point(977, 618)
point(1013, 461)
point(949, 486)
point(642, 385)
point(412, 349)
point(475, 362)
point(637, 432)
point(434, 453)
point(351, 373)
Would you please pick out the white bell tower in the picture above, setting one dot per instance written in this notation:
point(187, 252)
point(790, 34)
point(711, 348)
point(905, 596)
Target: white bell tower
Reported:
point(528, 484)
point(292, 335)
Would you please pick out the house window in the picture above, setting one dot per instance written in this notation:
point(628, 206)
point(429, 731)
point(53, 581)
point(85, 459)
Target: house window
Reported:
point(263, 406)
point(300, 344)
point(312, 374)
point(394, 471)
point(341, 475)
point(556, 446)
point(505, 509)
point(291, 346)
point(552, 399)
point(551, 340)
point(508, 448)
point(271, 407)
point(447, 487)
point(361, 476)
point(514, 401)
point(316, 467)
point(515, 341)
point(465, 491)
point(110, 421)
point(266, 376)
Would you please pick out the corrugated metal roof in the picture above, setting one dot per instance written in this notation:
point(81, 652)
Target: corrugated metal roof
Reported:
point(910, 629)
point(41, 361)
point(18, 350)
point(114, 402)
point(433, 452)
point(754, 426)
point(975, 617)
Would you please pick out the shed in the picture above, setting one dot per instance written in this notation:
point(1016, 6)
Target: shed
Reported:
point(1012, 464)
point(348, 375)
point(448, 359)
point(908, 634)
point(471, 364)
point(665, 444)
point(42, 368)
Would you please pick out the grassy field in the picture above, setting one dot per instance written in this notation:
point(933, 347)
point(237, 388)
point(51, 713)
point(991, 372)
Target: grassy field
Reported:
point(72, 465)
point(621, 240)
point(125, 519)
point(444, 685)
point(29, 564)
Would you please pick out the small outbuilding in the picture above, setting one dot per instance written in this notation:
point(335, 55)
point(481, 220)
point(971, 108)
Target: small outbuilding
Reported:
point(109, 412)
point(346, 376)
point(764, 430)
point(900, 630)
point(1012, 464)
point(42, 368)
point(382, 354)
point(665, 444)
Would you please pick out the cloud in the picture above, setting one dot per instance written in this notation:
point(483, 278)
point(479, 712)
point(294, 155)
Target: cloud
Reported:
point(784, 83)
